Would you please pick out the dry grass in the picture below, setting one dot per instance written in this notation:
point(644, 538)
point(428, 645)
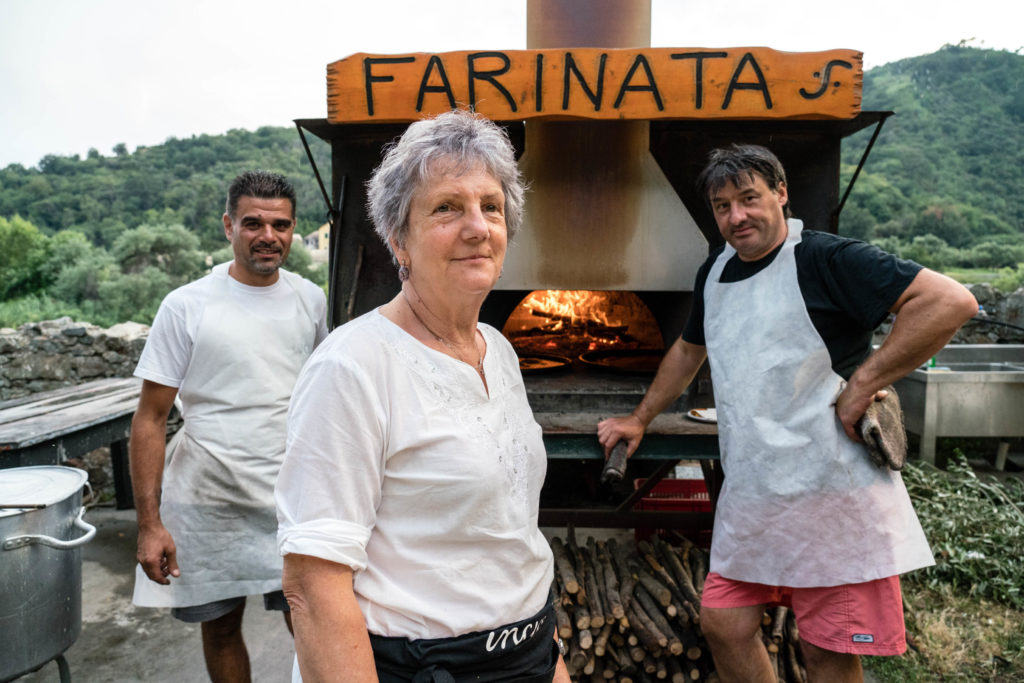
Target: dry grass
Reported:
point(955, 638)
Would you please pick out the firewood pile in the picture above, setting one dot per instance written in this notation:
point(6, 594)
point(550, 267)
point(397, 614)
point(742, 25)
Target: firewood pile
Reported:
point(631, 613)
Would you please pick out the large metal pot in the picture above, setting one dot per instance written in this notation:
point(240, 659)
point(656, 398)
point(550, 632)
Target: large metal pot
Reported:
point(40, 565)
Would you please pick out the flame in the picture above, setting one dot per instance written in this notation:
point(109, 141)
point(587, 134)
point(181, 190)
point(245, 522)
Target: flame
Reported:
point(569, 322)
point(569, 305)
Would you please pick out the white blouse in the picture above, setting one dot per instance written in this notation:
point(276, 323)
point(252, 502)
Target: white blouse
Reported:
point(401, 466)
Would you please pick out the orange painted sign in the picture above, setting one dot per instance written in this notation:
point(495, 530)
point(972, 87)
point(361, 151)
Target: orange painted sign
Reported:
point(594, 83)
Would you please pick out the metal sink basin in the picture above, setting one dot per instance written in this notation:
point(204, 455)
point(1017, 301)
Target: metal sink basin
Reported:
point(974, 390)
point(974, 367)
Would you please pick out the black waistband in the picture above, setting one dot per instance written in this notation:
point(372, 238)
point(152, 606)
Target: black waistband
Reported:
point(523, 651)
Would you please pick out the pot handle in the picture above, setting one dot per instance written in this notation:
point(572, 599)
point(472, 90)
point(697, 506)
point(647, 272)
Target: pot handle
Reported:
point(28, 539)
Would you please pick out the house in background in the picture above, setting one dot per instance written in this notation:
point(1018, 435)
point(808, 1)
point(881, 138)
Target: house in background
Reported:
point(317, 243)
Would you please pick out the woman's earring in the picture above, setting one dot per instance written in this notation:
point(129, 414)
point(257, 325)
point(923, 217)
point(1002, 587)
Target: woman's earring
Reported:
point(403, 272)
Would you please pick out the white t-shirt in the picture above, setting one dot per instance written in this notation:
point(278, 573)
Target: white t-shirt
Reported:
point(401, 466)
point(168, 351)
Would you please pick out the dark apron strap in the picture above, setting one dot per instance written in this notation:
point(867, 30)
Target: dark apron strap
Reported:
point(525, 652)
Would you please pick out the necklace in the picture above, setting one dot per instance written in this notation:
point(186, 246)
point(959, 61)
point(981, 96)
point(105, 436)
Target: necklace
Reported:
point(451, 347)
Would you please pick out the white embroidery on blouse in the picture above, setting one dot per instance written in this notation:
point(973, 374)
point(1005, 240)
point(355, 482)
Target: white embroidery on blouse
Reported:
point(444, 381)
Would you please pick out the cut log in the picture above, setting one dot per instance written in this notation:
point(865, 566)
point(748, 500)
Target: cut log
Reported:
point(611, 581)
point(656, 588)
point(585, 638)
point(692, 649)
point(562, 621)
point(625, 664)
point(577, 658)
point(564, 566)
point(582, 617)
point(601, 642)
point(683, 583)
point(661, 670)
point(659, 621)
point(644, 628)
point(675, 670)
point(594, 589)
point(698, 563)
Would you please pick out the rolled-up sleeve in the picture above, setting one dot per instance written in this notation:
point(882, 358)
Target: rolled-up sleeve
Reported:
point(329, 487)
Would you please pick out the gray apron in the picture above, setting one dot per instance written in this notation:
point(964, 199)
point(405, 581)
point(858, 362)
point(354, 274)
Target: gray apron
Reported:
point(802, 505)
point(218, 486)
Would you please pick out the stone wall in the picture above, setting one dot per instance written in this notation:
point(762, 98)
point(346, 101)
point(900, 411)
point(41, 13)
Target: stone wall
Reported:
point(55, 353)
point(49, 355)
point(1005, 311)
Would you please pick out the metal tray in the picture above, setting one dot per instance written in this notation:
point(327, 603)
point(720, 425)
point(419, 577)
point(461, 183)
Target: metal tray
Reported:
point(630, 361)
point(537, 363)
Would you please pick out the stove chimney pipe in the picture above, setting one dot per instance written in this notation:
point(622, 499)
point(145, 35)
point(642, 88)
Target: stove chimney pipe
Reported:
point(601, 214)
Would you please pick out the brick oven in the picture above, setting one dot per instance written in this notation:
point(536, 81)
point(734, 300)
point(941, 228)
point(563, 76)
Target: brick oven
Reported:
point(611, 135)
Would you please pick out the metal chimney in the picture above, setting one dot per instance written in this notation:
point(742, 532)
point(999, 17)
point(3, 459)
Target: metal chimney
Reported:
point(600, 214)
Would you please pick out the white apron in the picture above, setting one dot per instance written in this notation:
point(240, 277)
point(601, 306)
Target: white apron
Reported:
point(218, 486)
point(801, 505)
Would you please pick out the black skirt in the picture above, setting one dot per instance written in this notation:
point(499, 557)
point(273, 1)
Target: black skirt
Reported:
point(525, 652)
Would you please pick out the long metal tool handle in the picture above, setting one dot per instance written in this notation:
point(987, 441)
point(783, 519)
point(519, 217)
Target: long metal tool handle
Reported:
point(29, 539)
point(615, 465)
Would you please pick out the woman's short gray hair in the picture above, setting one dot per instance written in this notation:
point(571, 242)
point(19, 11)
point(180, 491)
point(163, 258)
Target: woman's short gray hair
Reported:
point(462, 137)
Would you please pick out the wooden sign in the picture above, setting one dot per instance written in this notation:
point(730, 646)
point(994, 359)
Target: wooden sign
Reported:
point(593, 83)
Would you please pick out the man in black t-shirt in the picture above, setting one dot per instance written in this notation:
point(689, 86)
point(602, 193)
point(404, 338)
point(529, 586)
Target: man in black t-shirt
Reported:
point(804, 519)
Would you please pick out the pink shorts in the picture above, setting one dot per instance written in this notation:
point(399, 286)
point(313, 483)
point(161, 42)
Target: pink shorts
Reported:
point(858, 618)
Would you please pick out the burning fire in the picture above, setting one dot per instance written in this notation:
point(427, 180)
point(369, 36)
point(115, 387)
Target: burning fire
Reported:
point(568, 306)
point(571, 322)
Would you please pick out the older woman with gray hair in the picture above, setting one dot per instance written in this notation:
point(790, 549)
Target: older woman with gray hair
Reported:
point(408, 499)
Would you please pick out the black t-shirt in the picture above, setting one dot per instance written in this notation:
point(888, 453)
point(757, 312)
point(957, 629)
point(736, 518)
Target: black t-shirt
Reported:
point(848, 287)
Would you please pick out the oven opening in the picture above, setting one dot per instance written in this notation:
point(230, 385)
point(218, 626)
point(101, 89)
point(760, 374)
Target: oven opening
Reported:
point(553, 328)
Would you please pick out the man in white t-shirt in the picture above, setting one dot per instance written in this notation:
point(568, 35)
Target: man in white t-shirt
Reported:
point(229, 346)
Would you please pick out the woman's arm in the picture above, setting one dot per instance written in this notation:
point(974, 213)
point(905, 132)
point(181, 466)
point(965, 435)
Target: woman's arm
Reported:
point(561, 671)
point(331, 641)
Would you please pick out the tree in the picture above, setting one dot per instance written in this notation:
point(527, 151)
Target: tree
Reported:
point(24, 252)
point(133, 296)
point(66, 248)
point(994, 255)
point(80, 282)
point(930, 251)
point(171, 249)
point(301, 263)
point(945, 221)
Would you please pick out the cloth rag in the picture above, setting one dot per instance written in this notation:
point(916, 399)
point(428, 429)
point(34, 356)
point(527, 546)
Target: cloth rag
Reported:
point(883, 432)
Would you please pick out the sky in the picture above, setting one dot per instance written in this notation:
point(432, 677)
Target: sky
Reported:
point(82, 74)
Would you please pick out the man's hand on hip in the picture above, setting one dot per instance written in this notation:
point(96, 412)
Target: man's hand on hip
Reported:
point(851, 406)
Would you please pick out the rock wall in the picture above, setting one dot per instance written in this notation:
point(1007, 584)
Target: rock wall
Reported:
point(55, 353)
point(1004, 313)
point(1003, 310)
point(48, 355)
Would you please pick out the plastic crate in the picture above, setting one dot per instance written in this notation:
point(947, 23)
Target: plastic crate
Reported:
point(676, 495)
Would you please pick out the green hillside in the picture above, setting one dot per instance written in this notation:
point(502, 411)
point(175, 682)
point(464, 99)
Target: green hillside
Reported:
point(104, 237)
point(943, 181)
point(183, 180)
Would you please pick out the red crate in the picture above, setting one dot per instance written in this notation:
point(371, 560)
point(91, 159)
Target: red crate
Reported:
point(676, 495)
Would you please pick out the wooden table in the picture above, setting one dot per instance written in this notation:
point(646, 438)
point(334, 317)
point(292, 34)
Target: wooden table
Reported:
point(53, 426)
point(670, 438)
